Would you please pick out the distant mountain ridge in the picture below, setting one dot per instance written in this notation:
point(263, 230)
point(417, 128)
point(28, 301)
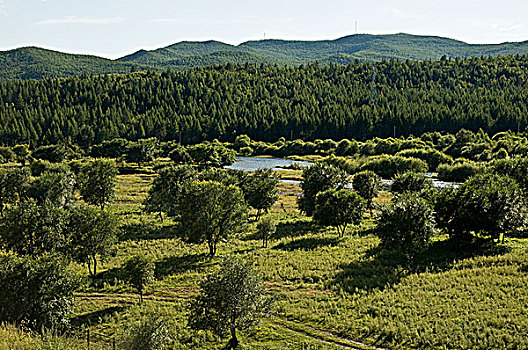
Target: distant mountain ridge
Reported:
point(37, 63)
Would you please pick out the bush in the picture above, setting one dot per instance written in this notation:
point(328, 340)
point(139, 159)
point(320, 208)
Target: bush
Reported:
point(411, 182)
point(433, 157)
point(459, 171)
point(387, 166)
point(406, 225)
point(338, 208)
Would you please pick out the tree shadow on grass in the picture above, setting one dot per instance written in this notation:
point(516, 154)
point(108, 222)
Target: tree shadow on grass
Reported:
point(179, 264)
point(382, 268)
point(146, 231)
point(309, 243)
point(95, 317)
point(291, 229)
point(110, 277)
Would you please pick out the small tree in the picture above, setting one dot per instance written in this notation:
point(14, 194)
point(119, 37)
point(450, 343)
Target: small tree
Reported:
point(180, 155)
point(140, 272)
point(266, 228)
point(486, 205)
point(141, 151)
point(13, 185)
point(33, 229)
point(367, 184)
point(318, 178)
point(260, 190)
point(230, 299)
point(411, 182)
point(211, 211)
point(56, 188)
point(168, 188)
point(406, 225)
point(36, 292)
point(97, 182)
point(338, 208)
point(22, 153)
point(211, 155)
point(93, 234)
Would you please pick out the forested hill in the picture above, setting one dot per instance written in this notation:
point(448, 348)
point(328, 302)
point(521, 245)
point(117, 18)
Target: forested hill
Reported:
point(267, 102)
point(26, 63)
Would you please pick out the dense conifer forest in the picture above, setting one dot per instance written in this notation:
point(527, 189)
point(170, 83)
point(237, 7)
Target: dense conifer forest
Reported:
point(266, 102)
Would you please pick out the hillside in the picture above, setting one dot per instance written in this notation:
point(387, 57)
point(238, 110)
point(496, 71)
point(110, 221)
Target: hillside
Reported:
point(36, 63)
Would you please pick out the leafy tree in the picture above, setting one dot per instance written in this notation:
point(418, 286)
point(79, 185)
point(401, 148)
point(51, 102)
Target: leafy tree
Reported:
point(266, 227)
point(260, 190)
point(56, 188)
point(53, 153)
point(141, 151)
point(338, 208)
point(13, 185)
point(367, 184)
point(180, 155)
point(486, 205)
point(93, 234)
point(140, 272)
point(97, 182)
point(211, 211)
point(231, 299)
point(211, 155)
point(168, 188)
point(34, 228)
point(411, 182)
point(36, 293)
point(318, 178)
point(22, 153)
point(406, 225)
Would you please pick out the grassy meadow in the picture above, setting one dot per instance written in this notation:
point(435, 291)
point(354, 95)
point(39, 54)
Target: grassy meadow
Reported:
point(332, 293)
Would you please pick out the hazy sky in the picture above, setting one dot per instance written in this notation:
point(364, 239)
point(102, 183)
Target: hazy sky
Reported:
point(113, 28)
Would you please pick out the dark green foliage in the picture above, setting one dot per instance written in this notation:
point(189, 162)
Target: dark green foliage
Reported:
point(7, 155)
point(406, 225)
point(260, 190)
point(13, 185)
point(141, 151)
point(53, 153)
point(211, 155)
point(367, 184)
point(139, 271)
point(211, 211)
point(97, 182)
point(34, 228)
point(22, 153)
point(268, 102)
point(180, 155)
point(338, 208)
point(36, 293)
point(411, 182)
point(93, 234)
point(231, 299)
point(110, 148)
point(168, 188)
point(56, 188)
point(318, 178)
point(459, 171)
point(486, 205)
point(387, 166)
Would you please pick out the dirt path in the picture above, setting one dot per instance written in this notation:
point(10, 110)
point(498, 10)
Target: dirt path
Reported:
point(323, 336)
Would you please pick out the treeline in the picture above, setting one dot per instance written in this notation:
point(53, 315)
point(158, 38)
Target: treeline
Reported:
point(265, 102)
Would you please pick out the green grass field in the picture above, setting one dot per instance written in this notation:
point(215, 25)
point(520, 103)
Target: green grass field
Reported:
point(331, 292)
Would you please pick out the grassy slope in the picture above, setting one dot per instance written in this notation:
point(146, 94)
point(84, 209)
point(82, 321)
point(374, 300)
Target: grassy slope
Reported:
point(342, 286)
point(27, 63)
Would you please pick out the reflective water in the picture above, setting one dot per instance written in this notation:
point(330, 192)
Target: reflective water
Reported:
point(255, 163)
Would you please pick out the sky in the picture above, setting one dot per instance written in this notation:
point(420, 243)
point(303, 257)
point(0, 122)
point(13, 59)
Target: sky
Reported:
point(114, 28)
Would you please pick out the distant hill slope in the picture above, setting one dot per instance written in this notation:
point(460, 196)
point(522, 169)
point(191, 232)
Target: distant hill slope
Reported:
point(36, 63)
